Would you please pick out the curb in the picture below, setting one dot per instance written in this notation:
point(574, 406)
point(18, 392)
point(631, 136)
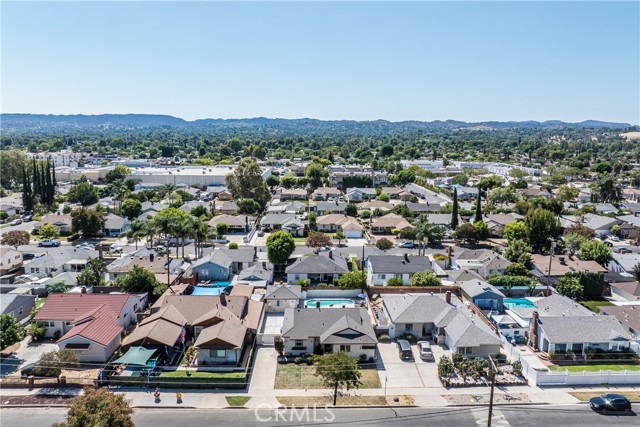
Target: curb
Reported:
point(472, 405)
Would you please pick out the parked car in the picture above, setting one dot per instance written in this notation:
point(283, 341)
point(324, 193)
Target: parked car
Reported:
point(88, 246)
point(27, 217)
point(407, 245)
point(26, 278)
point(610, 403)
point(115, 248)
point(16, 222)
point(621, 250)
point(260, 233)
point(614, 238)
point(404, 350)
point(28, 255)
point(49, 243)
point(425, 350)
point(221, 241)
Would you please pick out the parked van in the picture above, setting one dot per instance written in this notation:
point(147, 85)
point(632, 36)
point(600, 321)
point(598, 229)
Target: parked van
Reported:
point(404, 350)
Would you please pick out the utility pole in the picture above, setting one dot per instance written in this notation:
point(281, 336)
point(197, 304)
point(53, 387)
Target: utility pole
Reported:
point(553, 244)
point(492, 373)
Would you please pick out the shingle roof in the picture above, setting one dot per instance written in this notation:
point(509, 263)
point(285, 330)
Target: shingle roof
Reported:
point(557, 305)
point(331, 325)
point(475, 288)
point(467, 330)
point(418, 308)
point(399, 264)
point(318, 264)
point(226, 334)
point(632, 288)
point(583, 329)
point(628, 315)
point(283, 292)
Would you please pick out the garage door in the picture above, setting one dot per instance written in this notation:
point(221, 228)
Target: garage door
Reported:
point(353, 234)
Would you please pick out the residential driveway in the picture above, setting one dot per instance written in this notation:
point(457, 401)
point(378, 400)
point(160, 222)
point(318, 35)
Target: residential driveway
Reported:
point(406, 374)
point(263, 374)
point(27, 353)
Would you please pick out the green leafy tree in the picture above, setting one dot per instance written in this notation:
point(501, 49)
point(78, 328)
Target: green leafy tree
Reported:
point(92, 274)
point(478, 214)
point(246, 182)
point(221, 229)
point(482, 230)
point(384, 244)
point(428, 233)
point(595, 250)
point(52, 363)
point(15, 238)
point(337, 370)
point(49, 231)
point(88, 222)
point(11, 331)
point(339, 236)
point(425, 278)
point(131, 208)
point(288, 180)
point(636, 272)
point(573, 241)
point(98, 408)
point(395, 281)
point(570, 287)
point(141, 280)
point(352, 280)
point(517, 269)
point(83, 193)
point(351, 210)
point(248, 206)
point(607, 189)
point(465, 232)
point(280, 246)
point(315, 174)
point(616, 230)
point(36, 331)
point(516, 230)
point(568, 193)
point(542, 225)
point(384, 197)
point(58, 287)
point(518, 251)
point(118, 173)
point(460, 179)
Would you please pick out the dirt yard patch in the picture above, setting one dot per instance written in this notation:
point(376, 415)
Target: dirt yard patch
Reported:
point(403, 400)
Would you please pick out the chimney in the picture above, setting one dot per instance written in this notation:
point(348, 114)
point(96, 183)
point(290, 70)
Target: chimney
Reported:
point(331, 254)
point(533, 333)
point(83, 290)
point(223, 298)
point(448, 297)
point(151, 257)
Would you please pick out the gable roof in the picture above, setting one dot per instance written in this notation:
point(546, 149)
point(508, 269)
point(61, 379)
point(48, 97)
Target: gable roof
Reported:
point(556, 305)
point(628, 315)
point(571, 264)
point(467, 330)
point(583, 329)
point(331, 325)
point(274, 292)
point(631, 288)
point(475, 288)
point(399, 264)
point(391, 220)
point(418, 308)
point(318, 264)
point(99, 325)
point(68, 307)
point(226, 334)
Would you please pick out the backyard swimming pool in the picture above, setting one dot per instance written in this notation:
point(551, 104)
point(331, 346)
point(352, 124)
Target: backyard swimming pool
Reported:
point(326, 302)
point(518, 303)
point(213, 289)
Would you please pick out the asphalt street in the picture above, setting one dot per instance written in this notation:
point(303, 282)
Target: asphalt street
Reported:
point(516, 416)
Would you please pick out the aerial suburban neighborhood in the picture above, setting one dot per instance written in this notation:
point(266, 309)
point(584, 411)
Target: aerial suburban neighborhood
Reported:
point(307, 213)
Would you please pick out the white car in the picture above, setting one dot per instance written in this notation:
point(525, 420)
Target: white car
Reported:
point(49, 243)
point(115, 248)
point(425, 350)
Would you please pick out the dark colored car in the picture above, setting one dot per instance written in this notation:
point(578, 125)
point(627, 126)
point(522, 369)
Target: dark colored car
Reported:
point(27, 370)
point(404, 350)
point(28, 255)
point(610, 403)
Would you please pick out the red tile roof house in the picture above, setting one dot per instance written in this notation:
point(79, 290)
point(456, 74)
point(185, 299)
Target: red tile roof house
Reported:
point(89, 324)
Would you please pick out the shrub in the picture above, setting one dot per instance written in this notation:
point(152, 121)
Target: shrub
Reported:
point(233, 245)
point(304, 282)
point(384, 338)
point(323, 285)
point(440, 257)
point(363, 358)
point(36, 331)
point(395, 281)
point(411, 338)
point(298, 360)
point(445, 366)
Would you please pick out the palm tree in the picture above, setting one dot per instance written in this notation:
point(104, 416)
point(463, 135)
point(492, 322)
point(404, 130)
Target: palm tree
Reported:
point(183, 230)
point(136, 231)
point(119, 190)
point(149, 231)
point(427, 233)
point(167, 191)
point(199, 230)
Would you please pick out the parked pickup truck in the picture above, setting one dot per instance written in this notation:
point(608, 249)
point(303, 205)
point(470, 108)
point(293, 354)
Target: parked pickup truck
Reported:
point(49, 243)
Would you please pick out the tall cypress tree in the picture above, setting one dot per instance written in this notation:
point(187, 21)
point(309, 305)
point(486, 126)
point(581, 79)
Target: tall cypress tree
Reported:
point(43, 185)
point(49, 184)
point(36, 180)
point(478, 215)
point(454, 212)
point(53, 176)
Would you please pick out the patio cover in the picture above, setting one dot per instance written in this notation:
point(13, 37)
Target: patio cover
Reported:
point(136, 355)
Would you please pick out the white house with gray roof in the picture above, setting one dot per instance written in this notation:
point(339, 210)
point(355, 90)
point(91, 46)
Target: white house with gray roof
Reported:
point(317, 269)
point(325, 330)
point(279, 298)
point(381, 268)
point(442, 318)
point(483, 261)
point(482, 294)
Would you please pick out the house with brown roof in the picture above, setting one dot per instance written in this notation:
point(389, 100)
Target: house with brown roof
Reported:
point(235, 223)
point(326, 193)
point(220, 328)
point(60, 221)
point(293, 194)
point(337, 222)
point(384, 224)
point(628, 291)
point(561, 265)
point(627, 315)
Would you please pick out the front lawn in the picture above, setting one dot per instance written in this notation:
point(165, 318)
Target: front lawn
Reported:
point(290, 375)
point(237, 400)
point(593, 305)
point(584, 396)
point(595, 367)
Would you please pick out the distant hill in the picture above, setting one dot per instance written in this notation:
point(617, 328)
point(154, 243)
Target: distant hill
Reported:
point(52, 123)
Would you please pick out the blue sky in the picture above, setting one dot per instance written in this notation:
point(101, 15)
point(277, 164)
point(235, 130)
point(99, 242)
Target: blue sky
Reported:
point(328, 60)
